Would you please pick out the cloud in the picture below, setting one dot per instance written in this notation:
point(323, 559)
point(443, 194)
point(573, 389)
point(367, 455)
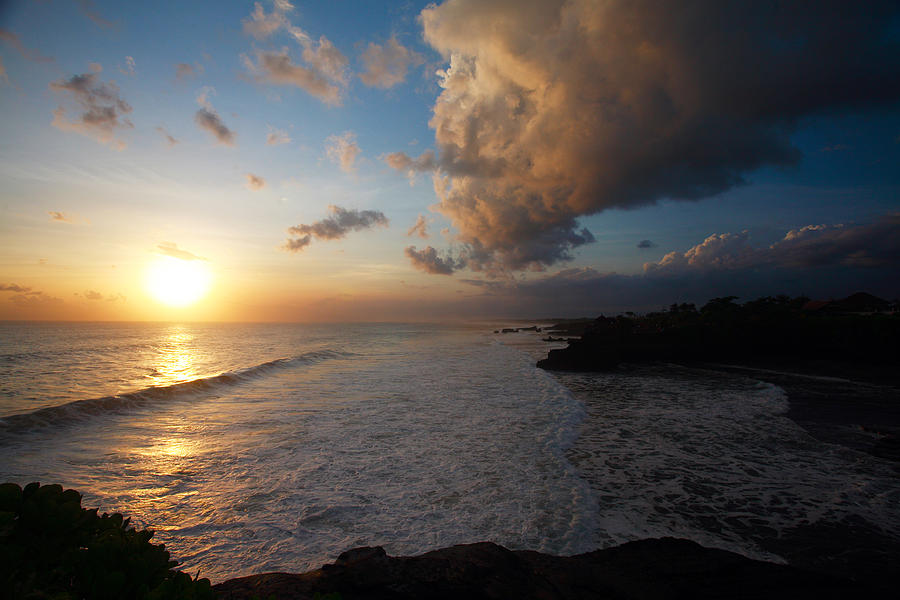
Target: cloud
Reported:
point(172, 249)
point(276, 137)
point(128, 69)
point(92, 295)
point(262, 25)
point(875, 244)
point(207, 118)
point(185, 71)
point(278, 68)
point(551, 111)
point(386, 66)
point(104, 109)
point(343, 150)
point(35, 299)
point(3, 77)
point(169, 139)
point(341, 222)
point(819, 261)
point(90, 11)
point(420, 228)
point(402, 162)
point(255, 182)
point(13, 40)
point(12, 287)
point(58, 216)
point(429, 261)
point(646, 244)
point(324, 72)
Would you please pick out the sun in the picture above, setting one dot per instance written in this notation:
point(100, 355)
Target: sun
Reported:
point(176, 282)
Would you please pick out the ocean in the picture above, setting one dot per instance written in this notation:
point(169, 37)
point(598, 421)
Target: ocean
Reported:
point(274, 447)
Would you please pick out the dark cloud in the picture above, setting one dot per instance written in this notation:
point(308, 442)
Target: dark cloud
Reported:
point(104, 110)
point(387, 65)
point(871, 245)
point(92, 295)
point(12, 287)
point(429, 261)
point(820, 261)
point(646, 244)
point(207, 118)
point(13, 40)
point(172, 249)
point(420, 228)
point(341, 222)
point(255, 182)
point(554, 110)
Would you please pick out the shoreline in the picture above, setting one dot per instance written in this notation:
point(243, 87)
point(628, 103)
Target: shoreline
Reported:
point(853, 405)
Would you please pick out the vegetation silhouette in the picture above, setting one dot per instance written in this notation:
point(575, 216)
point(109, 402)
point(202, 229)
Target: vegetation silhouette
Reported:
point(51, 547)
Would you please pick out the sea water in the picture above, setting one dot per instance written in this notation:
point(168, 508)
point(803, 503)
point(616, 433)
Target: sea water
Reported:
point(252, 448)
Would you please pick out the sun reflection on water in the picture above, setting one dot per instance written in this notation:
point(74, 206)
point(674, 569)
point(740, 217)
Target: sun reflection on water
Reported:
point(175, 359)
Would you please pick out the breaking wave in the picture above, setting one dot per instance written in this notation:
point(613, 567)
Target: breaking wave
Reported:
point(65, 414)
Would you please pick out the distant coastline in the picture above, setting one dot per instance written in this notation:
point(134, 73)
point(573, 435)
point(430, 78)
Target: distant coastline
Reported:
point(836, 360)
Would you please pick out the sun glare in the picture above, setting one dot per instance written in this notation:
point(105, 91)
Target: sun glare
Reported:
point(177, 282)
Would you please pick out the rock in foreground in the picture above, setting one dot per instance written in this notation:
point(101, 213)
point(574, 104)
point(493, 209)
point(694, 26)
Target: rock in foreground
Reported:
point(660, 568)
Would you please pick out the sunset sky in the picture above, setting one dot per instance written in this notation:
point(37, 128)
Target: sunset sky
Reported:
point(371, 161)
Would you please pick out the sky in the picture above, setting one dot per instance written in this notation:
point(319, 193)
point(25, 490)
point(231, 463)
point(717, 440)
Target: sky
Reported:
point(409, 161)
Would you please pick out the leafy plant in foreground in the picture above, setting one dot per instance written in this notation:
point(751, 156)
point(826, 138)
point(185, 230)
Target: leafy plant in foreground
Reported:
point(51, 547)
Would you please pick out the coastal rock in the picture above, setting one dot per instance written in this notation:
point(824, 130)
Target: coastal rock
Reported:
point(654, 568)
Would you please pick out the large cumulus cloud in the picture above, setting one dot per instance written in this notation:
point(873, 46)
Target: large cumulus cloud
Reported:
point(553, 110)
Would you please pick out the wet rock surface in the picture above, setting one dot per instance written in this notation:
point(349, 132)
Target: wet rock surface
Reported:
point(653, 568)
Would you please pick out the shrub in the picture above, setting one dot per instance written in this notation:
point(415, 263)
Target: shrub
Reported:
point(51, 547)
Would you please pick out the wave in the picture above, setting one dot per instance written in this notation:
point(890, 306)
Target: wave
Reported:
point(78, 410)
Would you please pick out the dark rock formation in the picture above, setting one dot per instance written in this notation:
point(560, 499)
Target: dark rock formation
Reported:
point(662, 568)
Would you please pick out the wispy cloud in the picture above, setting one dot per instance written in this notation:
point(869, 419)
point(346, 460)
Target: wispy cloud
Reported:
point(278, 68)
point(185, 71)
point(168, 136)
point(104, 110)
point(420, 228)
point(90, 11)
point(323, 73)
point(255, 182)
point(341, 222)
point(276, 137)
point(13, 40)
point(386, 65)
point(12, 287)
point(343, 150)
point(172, 249)
point(59, 216)
point(129, 68)
point(208, 119)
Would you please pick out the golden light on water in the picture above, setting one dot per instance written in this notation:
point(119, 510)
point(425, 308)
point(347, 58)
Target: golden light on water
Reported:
point(176, 282)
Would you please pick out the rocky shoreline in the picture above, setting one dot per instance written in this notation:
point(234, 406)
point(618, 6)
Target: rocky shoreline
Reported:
point(653, 568)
